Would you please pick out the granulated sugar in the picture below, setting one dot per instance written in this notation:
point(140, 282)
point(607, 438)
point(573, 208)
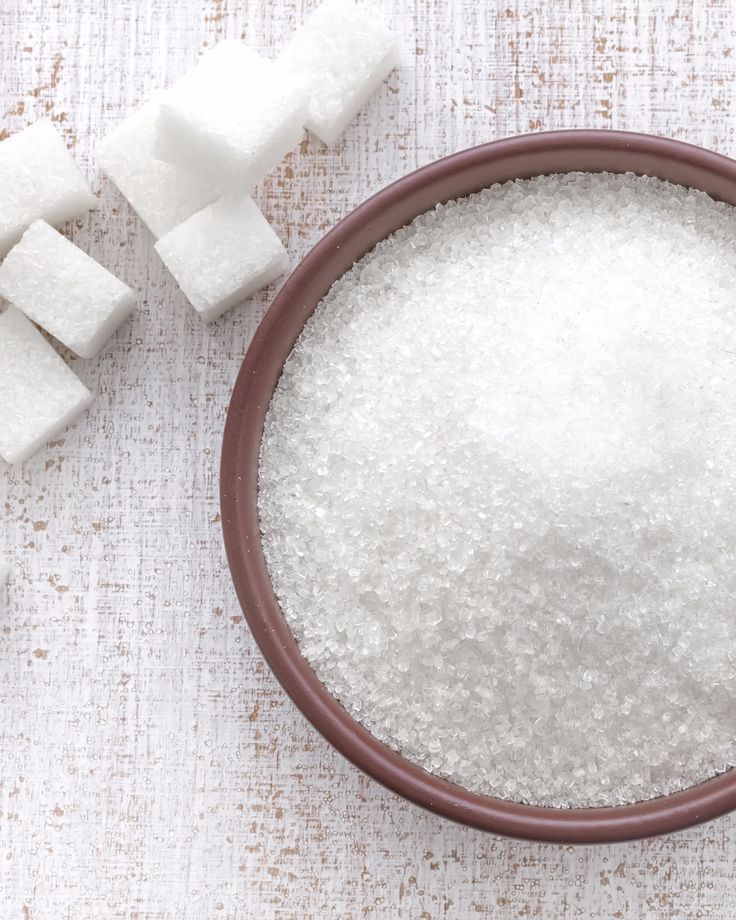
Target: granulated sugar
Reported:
point(498, 490)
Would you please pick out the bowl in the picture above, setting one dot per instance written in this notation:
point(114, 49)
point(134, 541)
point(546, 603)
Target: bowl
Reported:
point(452, 177)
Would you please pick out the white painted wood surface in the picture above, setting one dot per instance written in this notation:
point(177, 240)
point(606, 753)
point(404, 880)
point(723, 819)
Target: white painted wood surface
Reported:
point(150, 766)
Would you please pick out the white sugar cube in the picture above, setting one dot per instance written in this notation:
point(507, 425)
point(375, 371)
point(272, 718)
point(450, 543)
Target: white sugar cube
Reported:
point(64, 290)
point(223, 254)
point(39, 394)
point(162, 194)
point(38, 179)
point(342, 53)
point(232, 118)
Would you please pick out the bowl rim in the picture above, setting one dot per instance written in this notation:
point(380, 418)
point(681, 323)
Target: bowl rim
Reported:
point(241, 527)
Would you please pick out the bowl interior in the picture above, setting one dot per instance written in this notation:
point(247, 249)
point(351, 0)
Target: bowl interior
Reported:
point(392, 208)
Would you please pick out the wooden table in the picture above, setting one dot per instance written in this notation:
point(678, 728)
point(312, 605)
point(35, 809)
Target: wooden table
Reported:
point(150, 766)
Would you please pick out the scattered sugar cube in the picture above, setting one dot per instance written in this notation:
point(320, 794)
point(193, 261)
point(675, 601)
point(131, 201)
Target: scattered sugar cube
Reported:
point(39, 394)
point(64, 290)
point(343, 53)
point(232, 118)
point(38, 179)
point(223, 254)
point(162, 194)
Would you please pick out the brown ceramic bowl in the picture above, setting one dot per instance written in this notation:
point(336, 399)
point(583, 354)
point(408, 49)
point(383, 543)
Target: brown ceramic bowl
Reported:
point(452, 177)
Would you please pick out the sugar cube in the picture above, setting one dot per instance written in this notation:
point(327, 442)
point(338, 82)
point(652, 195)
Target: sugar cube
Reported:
point(39, 394)
point(64, 290)
point(38, 179)
point(4, 572)
point(232, 118)
point(223, 254)
point(161, 193)
point(343, 53)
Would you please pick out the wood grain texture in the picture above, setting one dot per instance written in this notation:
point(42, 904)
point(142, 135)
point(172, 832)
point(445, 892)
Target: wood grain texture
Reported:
point(150, 766)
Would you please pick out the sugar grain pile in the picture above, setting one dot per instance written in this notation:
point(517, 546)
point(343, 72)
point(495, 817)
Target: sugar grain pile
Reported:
point(498, 490)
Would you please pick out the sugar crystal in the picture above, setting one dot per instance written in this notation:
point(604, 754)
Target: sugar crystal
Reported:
point(498, 489)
